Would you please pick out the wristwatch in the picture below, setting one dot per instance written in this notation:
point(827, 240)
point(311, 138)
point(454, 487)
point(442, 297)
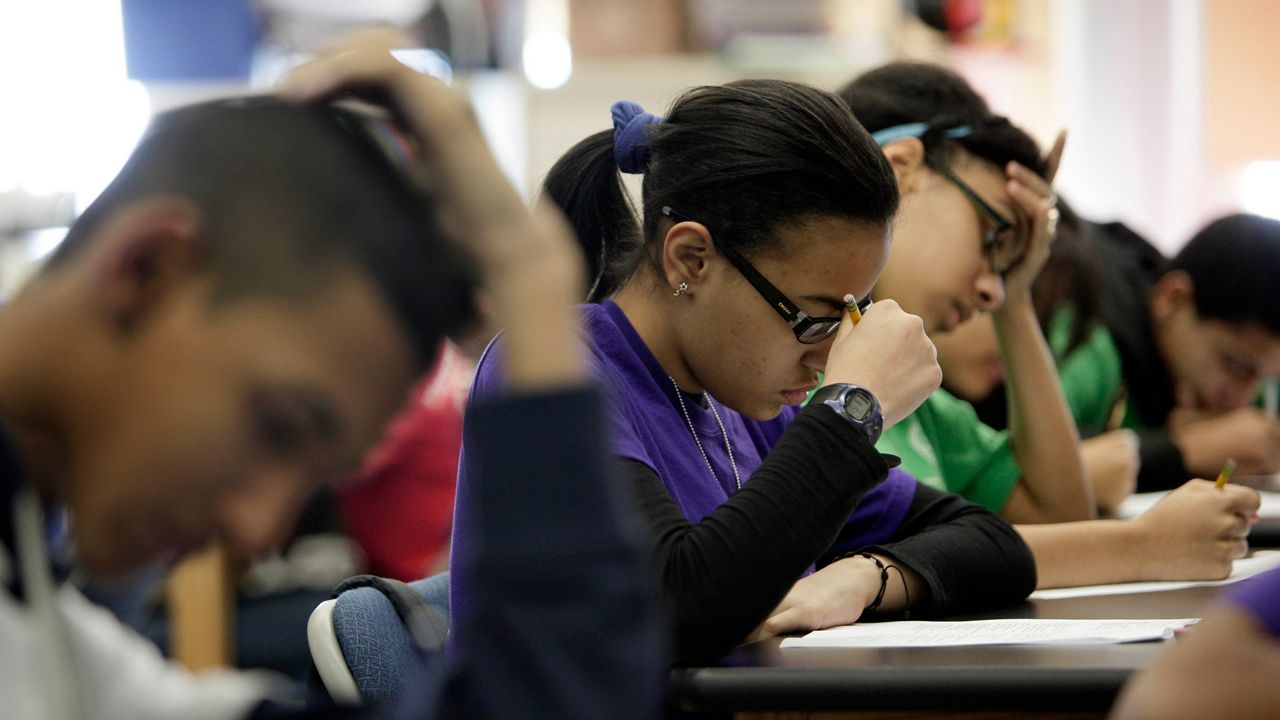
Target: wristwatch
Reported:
point(855, 404)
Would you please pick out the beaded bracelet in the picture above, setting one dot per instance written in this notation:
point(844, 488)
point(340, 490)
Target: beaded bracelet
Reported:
point(884, 580)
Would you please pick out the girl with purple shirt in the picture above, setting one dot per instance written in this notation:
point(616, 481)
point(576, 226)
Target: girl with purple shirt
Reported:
point(765, 204)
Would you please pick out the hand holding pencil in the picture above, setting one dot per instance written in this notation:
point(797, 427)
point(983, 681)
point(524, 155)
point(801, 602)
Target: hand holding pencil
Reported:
point(886, 351)
point(1225, 474)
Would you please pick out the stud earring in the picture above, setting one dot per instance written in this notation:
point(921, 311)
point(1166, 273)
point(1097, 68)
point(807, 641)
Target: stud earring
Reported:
point(681, 289)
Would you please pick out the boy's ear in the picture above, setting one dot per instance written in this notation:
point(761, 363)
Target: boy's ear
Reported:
point(1174, 291)
point(142, 253)
point(906, 156)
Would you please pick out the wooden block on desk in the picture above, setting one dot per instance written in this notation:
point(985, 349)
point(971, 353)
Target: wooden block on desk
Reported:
point(201, 596)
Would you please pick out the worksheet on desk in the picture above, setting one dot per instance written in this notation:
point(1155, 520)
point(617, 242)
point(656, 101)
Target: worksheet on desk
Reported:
point(1260, 561)
point(1138, 503)
point(923, 633)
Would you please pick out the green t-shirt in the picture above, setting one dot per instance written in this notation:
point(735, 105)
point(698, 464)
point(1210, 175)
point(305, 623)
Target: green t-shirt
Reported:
point(1092, 377)
point(945, 445)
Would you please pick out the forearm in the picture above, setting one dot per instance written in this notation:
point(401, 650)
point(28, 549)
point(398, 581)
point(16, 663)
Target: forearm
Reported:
point(1213, 671)
point(560, 525)
point(723, 574)
point(1092, 552)
point(962, 555)
point(535, 305)
point(1042, 432)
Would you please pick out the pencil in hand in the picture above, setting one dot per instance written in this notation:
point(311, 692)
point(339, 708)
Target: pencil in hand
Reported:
point(851, 305)
point(1225, 475)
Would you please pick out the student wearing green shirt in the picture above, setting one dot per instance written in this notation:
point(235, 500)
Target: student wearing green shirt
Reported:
point(973, 237)
point(1176, 355)
point(974, 231)
point(974, 377)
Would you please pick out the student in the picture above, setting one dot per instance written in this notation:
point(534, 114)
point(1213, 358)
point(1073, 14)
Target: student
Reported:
point(1163, 341)
point(973, 235)
point(955, 253)
point(764, 205)
point(230, 324)
point(1186, 347)
point(1221, 667)
point(973, 371)
point(1067, 298)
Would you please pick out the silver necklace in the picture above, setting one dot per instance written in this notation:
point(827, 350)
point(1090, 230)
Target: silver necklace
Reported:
point(737, 480)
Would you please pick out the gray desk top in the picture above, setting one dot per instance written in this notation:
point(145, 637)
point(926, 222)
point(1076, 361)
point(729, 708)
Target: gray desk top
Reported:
point(763, 677)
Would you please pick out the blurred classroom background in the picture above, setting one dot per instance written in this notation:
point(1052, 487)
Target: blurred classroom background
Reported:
point(1170, 104)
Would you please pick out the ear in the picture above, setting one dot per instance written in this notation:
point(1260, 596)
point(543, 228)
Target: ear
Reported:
point(906, 155)
point(142, 254)
point(685, 252)
point(1173, 293)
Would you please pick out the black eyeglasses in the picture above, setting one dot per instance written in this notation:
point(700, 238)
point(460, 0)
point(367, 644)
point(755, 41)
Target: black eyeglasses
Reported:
point(1004, 246)
point(808, 330)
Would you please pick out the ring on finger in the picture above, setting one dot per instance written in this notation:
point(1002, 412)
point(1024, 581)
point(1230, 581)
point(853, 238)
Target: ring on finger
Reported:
point(1052, 216)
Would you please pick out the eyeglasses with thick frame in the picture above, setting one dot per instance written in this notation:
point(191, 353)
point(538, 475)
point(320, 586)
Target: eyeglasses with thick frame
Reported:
point(807, 329)
point(1002, 243)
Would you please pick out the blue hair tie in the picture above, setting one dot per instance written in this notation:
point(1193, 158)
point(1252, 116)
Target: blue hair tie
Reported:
point(915, 130)
point(631, 135)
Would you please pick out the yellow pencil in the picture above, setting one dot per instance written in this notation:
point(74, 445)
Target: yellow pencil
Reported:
point(851, 305)
point(1225, 475)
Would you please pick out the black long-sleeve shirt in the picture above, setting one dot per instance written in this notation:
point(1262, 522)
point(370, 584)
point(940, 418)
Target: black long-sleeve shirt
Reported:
point(721, 576)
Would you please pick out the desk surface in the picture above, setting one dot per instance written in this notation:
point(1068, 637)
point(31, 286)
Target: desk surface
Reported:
point(764, 677)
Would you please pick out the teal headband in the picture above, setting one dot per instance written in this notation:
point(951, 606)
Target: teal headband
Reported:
point(915, 130)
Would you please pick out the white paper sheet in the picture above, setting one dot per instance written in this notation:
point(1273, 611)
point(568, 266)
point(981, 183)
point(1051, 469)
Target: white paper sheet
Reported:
point(1260, 561)
point(1138, 503)
point(916, 633)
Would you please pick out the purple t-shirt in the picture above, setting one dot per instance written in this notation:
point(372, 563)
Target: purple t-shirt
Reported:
point(648, 426)
point(1260, 596)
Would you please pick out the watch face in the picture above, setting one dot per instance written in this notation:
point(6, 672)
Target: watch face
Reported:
point(858, 405)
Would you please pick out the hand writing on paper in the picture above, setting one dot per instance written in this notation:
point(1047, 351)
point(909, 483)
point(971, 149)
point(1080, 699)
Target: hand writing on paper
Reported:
point(1197, 530)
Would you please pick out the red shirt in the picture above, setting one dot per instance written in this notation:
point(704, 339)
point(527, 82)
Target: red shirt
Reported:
point(399, 508)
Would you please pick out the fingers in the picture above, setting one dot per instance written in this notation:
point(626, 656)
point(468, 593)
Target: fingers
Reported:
point(1030, 180)
point(439, 117)
point(1234, 527)
point(1242, 500)
point(757, 635)
point(1053, 160)
point(789, 620)
point(1032, 205)
point(846, 326)
point(455, 163)
point(1239, 548)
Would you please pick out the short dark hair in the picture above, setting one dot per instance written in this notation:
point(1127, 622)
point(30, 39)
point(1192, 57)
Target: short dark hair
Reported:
point(742, 158)
point(902, 93)
point(1234, 262)
point(288, 193)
